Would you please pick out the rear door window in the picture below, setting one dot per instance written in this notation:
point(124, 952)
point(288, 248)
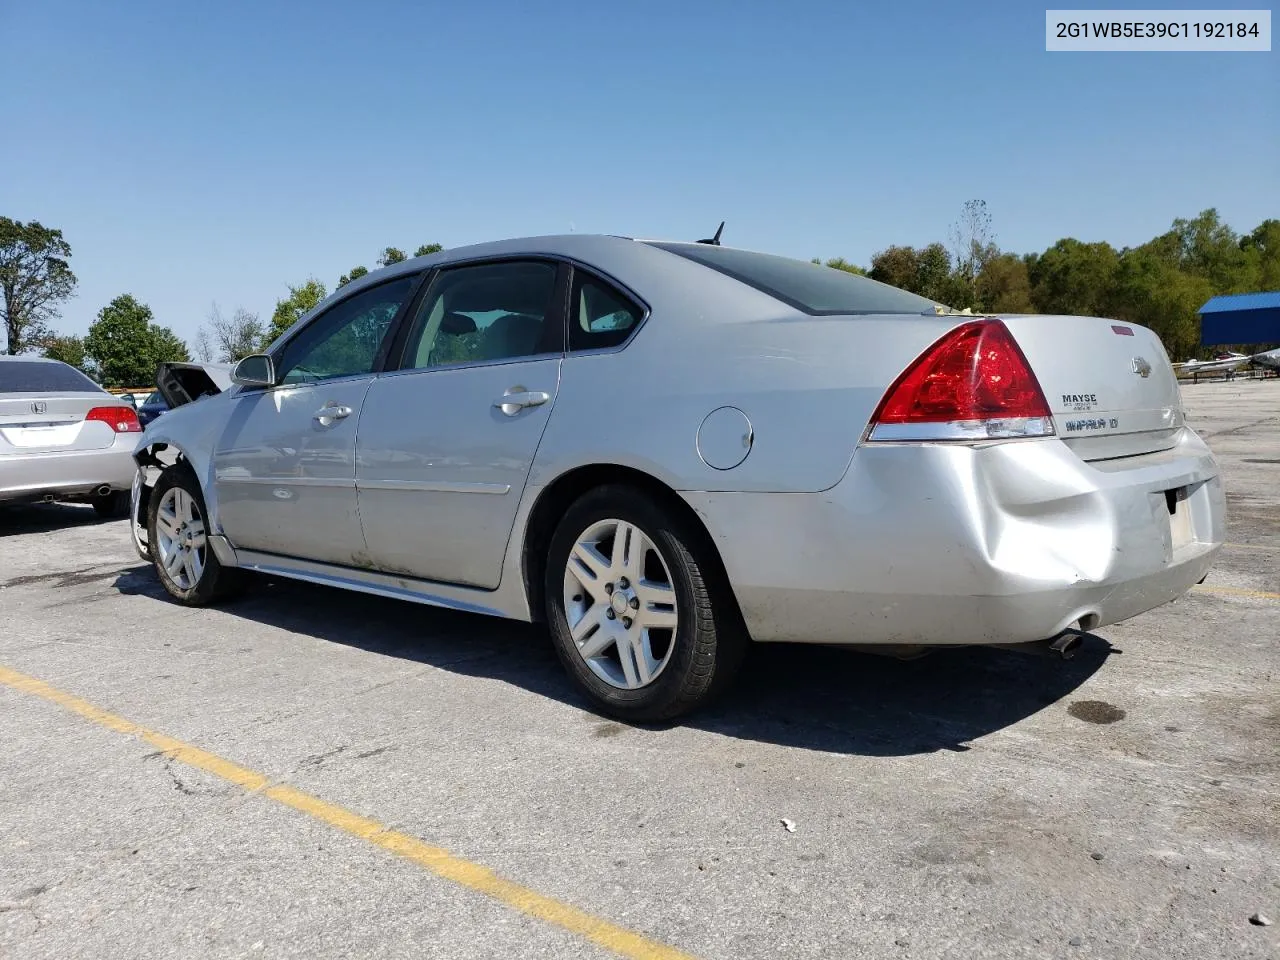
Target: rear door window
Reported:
point(487, 313)
point(42, 376)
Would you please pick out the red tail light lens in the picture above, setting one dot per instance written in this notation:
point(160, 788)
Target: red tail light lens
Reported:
point(974, 383)
point(119, 419)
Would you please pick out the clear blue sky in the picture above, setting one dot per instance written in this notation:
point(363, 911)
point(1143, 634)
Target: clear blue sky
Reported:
point(200, 152)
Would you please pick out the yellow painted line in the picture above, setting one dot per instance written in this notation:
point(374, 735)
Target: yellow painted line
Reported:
point(437, 860)
point(1237, 592)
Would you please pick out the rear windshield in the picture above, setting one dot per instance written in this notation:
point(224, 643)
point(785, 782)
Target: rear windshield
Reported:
point(42, 376)
point(806, 286)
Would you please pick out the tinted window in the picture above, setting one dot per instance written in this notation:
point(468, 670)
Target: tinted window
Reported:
point(345, 340)
point(599, 314)
point(805, 286)
point(43, 376)
point(485, 314)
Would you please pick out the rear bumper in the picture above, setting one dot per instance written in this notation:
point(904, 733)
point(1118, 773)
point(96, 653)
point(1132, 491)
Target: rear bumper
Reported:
point(69, 474)
point(957, 544)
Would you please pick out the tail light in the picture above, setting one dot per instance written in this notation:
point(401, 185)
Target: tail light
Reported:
point(119, 419)
point(973, 384)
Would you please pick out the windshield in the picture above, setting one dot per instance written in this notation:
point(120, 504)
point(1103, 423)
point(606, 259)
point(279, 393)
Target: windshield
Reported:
point(43, 376)
point(809, 287)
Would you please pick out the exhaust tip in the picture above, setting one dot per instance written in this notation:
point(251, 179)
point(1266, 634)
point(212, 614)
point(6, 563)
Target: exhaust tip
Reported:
point(1066, 644)
point(1061, 647)
point(103, 490)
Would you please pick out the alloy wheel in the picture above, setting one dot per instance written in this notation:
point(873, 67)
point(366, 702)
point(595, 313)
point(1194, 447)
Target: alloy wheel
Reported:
point(180, 538)
point(620, 603)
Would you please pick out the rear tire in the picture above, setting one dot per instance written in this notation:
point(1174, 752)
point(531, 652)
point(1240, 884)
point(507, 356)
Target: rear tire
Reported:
point(177, 535)
point(657, 630)
point(113, 506)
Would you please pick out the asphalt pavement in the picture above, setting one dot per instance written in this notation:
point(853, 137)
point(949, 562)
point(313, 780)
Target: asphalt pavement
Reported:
point(309, 773)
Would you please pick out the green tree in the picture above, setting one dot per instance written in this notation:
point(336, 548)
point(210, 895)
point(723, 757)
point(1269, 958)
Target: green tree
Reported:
point(301, 300)
point(68, 349)
point(355, 274)
point(1265, 241)
point(840, 263)
point(125, 345)
point(926, 271)
point(427, 249)
point(896, 266)
point(1003, 285)
point(972, 246)
point(1206, 247)
point(1073, 277)
point(391, 255)
point(34, 278)
point(1150, 290)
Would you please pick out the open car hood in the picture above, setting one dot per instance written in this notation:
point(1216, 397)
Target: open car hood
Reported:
point(181, 383)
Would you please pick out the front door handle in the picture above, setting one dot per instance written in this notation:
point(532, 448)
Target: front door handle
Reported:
point(518, 398)
point(331, 412)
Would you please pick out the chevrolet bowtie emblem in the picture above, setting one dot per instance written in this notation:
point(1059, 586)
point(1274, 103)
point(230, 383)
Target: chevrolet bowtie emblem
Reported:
point(1141, 367)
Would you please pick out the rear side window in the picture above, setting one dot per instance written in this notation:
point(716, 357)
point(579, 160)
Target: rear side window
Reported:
point(808, 287)
point(599, 314)
point(42, 376)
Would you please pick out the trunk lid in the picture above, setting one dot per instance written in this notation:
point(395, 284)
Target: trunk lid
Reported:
point(1109, 384)
point(42, 423)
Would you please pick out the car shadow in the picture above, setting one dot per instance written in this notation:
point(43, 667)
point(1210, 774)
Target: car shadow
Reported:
point(40, 517)
point(818, 698)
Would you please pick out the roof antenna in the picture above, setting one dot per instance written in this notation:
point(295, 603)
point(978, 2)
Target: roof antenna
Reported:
point(715, 241)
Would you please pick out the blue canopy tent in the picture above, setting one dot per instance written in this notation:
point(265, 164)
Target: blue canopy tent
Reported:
point(1241, 318)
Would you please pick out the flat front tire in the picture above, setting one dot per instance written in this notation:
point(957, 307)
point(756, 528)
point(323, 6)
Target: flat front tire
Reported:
point(177, 535)
point(638, 612)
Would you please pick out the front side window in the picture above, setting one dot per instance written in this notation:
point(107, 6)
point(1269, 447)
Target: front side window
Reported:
point(599, 314)
point(486, 313)
point(346, 339)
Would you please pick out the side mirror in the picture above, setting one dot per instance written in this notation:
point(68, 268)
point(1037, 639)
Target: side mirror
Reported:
point(256, 370)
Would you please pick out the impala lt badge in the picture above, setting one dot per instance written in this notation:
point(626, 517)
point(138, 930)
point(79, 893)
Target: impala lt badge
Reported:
point(1141, 367)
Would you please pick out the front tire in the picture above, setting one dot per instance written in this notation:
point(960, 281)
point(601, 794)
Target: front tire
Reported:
point(638, 612)
point(177, 534)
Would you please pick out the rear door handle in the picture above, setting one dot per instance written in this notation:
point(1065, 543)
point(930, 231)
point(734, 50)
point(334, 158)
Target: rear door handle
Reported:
point(518, 398)
point(331, 412)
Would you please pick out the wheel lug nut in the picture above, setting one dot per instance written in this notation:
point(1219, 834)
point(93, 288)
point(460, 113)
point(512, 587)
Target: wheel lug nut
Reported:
point(623, 583)
point(608, 588)
point(635, 603)
point(626, 622)
point(610, 614)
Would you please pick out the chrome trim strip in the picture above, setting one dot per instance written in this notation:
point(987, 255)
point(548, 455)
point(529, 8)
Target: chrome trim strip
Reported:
point(289, 481)
point(434, 486)
point(964, 431)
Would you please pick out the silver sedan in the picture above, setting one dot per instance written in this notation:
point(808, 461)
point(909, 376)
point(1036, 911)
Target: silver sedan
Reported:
point(668, 450)
point(62, 437)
